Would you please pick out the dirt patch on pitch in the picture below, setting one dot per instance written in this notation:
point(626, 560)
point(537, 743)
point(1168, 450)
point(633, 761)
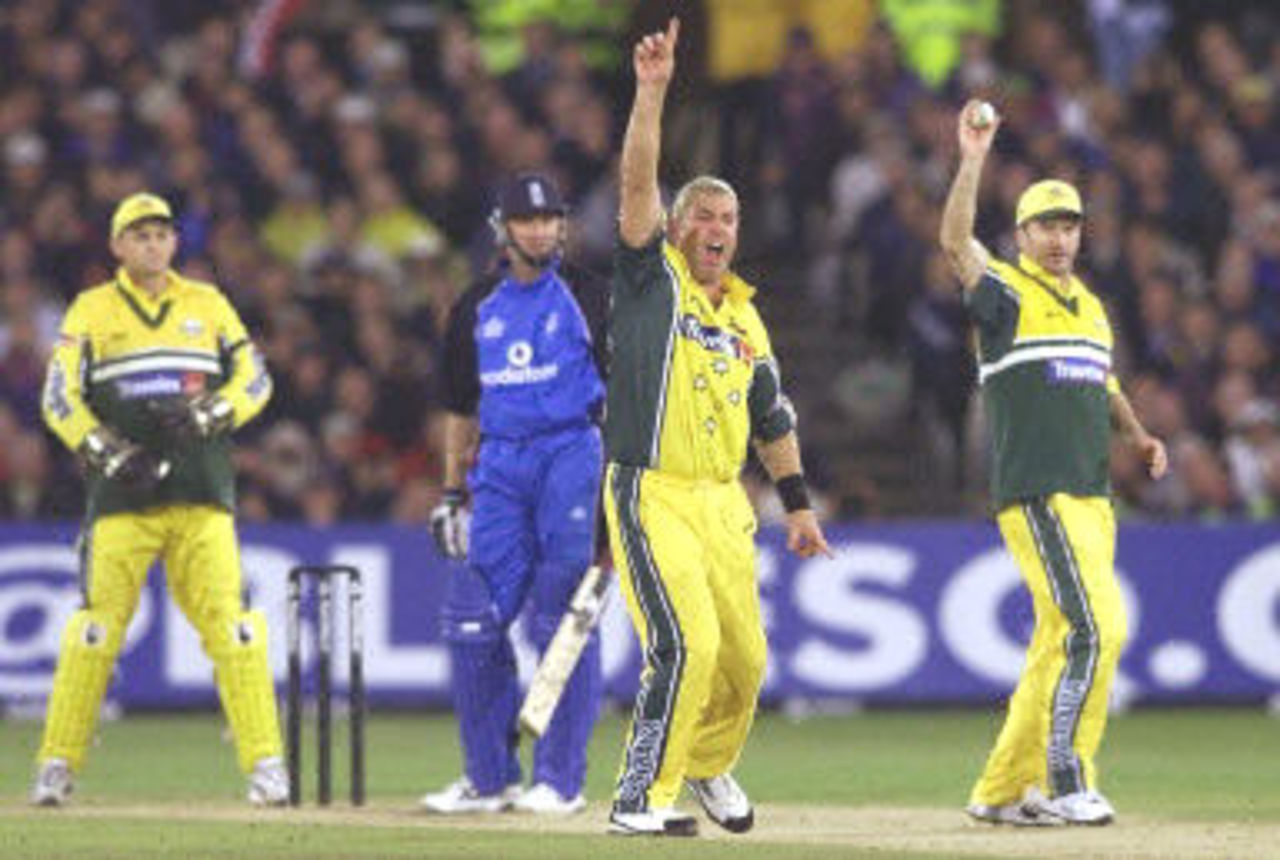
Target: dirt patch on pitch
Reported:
point(944, 832)
point(949, 833)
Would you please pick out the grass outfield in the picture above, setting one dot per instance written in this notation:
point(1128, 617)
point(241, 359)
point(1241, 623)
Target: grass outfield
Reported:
point(1201, 783)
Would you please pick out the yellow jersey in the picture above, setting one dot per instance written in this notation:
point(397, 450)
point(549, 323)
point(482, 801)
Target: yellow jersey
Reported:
point(1044, 363)
point(119, 347)
point(690, 383)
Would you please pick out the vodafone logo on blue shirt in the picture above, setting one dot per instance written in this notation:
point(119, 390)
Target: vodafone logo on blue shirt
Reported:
point(519, 370)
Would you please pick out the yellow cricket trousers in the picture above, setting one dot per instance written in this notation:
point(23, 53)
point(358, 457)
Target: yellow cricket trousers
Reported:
point(685, 554)
point(1065, 548)
point(202, 566)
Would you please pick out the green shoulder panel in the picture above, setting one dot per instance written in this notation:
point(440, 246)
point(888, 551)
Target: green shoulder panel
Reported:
point(642, 325)
point(994, 304)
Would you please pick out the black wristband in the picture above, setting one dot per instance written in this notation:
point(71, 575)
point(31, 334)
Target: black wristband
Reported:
point(794, 494)
point(456, 496)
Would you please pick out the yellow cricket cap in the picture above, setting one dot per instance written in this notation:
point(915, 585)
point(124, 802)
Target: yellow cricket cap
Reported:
point(1049, 197)
point(138, 207)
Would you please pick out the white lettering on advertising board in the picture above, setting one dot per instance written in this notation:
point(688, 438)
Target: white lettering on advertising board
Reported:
point(853, 625)
point(827, 594)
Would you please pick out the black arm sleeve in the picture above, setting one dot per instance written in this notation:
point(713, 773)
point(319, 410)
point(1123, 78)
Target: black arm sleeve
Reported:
point(592, 295)
point(459, 374)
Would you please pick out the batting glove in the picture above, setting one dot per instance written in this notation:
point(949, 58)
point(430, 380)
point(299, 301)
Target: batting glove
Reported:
point(200, 417)
point(118, 459)
point(451, 524)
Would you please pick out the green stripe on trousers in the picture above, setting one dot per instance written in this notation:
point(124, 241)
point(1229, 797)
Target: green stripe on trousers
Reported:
point(664, 654)
point(1066, 775)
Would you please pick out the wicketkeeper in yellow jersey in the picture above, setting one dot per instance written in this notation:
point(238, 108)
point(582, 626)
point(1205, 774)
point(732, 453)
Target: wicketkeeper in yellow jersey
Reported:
point(1044, 356)
point(693, 382)
point(150, 375)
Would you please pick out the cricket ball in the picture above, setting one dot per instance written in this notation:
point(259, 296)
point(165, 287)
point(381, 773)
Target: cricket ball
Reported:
point(982, 115)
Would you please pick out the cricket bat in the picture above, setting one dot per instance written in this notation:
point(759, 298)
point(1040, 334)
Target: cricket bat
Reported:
point(562, 654)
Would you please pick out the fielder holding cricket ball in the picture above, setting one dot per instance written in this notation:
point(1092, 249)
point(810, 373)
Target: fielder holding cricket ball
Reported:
point(693, 381)
point(1052, 401)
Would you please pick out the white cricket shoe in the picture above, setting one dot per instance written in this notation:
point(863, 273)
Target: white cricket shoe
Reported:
point(1016, 814)
point(461, 798)
point(542, 799)
point(656, 821)
point(1081, 807)
point(269, 783)
point(725, 802)
point(1025, 813)
point(54, 783)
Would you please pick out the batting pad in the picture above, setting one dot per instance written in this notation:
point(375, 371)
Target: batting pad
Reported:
point(239, 653)
point(90, 643)
point(486, 694)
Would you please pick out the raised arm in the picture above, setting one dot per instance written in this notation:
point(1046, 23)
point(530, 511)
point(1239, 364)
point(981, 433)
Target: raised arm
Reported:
point(640, 208)
point(964, 252)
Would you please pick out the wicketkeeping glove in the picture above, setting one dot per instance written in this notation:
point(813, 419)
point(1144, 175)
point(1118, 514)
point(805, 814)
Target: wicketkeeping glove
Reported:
point(118, 459)
point(451, 524)
point(200, 417)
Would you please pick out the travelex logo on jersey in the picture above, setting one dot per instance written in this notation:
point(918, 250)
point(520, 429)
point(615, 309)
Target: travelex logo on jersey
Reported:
point(1076, 371)
point(140, 386)
point(714, 339)
point(519, 369)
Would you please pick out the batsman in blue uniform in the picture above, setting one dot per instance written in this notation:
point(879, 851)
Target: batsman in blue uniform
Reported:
point(523, 389)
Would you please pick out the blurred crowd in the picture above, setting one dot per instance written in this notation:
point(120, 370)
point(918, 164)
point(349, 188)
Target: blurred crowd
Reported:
point(334, 178)
point(1170, 125)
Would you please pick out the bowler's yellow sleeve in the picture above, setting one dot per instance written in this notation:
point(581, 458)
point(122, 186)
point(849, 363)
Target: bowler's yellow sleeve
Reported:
point(63, 403)
point(248, 387)
point(1113, 384)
